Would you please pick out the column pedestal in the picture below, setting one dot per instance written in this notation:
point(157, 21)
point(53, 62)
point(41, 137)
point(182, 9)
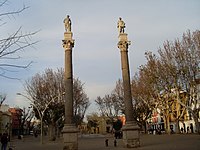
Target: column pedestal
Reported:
point(131, 136)
point(70, 137)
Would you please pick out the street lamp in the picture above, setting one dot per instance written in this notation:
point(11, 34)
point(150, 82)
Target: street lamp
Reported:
point(41, 113)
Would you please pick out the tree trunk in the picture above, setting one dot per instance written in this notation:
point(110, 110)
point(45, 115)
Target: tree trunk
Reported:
point(52, 134)
point(145, 126)
point(177, 127)
point(197, 124)
point(167, 124)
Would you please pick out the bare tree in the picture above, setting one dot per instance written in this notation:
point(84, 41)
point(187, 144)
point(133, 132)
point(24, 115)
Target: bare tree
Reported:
point(188, 64)
point(49, 88)
point(81, 101)
point(142, 100)
point(106, 106)
point(101, 105)
point(45, 88)
point(176, 68)
point(93, 122)
point(12, 45)
point(118, 98)
point(2, 98)
point(26, 117)
point(180, 65)
point(160, 75)
point(112, 105)
point(158, 83)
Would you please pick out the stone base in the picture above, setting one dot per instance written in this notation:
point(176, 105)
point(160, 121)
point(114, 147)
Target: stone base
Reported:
point(123, 37)
point(68, 35)
point(131, 136)
point(70, 137)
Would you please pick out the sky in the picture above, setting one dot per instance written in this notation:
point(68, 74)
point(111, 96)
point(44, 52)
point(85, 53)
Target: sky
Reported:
point(96, 57)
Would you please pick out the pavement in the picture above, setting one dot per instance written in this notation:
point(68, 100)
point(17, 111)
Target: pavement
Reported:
point(97, 142)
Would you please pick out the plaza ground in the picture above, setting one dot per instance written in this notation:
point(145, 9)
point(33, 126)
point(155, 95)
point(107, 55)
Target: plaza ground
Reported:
point(97, 142)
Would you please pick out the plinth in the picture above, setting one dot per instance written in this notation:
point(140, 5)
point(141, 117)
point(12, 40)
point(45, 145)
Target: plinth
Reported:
point(70, 137)
point(131, 135)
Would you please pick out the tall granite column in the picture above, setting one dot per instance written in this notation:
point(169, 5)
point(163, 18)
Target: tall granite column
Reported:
point(130, 130)
point(70, 132)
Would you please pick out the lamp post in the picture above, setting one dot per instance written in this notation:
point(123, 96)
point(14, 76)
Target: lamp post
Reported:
point(41, 113)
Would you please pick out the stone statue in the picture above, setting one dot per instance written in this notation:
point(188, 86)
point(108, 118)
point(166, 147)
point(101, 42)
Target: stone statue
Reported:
point(120, 25)
point(68, 23)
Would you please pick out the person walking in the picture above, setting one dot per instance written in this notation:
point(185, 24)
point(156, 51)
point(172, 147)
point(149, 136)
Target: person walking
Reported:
point(115, 143)
point(188, 129)
point(106, 142)
point(4, 141)
point(182, 130)
point(191, 128)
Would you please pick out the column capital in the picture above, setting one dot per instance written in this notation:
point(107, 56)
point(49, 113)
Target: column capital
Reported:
point(68, 44)
point(123, 42)
point(123, 45)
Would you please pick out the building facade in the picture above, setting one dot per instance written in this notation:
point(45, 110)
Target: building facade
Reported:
point(16, 120)
point(5, 120)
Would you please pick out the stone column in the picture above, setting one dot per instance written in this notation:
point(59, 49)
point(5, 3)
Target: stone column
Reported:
point(130, 129)
point(70, 132)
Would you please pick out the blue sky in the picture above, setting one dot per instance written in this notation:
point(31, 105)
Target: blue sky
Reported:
point(96, 57)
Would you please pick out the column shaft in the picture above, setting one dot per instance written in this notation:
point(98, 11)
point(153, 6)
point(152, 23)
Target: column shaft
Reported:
point(127, 86)
point(69, 86)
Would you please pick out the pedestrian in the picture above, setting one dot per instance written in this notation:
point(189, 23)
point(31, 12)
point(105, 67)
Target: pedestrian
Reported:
point(181, 129)
point(35, 134)
point(115, 143)
point(4, 141)
point(188, 129)
point(159, 131)
point(106, 142)
point(191, 128)
point(154, 132)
